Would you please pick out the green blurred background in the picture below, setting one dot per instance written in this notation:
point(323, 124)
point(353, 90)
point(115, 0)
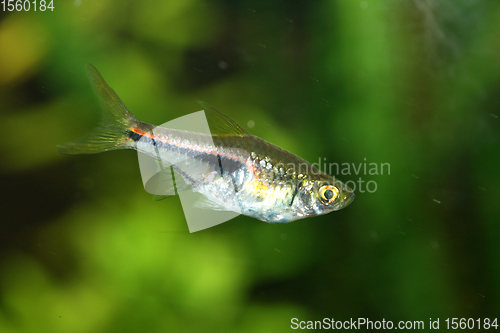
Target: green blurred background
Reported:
point(83, 248)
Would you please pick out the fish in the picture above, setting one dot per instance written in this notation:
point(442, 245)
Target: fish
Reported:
point(232, 169)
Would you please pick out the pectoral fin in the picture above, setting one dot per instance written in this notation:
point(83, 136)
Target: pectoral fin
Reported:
point(165, 183)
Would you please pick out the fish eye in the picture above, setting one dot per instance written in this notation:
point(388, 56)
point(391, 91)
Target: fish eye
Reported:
point(328, 193)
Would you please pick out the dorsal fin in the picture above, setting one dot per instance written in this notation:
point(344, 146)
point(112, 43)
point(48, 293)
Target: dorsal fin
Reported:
point(220, 124)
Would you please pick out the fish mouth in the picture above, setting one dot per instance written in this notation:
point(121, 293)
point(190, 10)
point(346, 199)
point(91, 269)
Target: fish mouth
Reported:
point(348, 198)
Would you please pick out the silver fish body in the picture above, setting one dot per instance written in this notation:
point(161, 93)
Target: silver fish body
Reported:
point(234, 170)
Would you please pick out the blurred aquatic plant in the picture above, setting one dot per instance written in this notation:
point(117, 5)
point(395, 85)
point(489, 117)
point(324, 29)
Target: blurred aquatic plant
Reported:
point(413, 84)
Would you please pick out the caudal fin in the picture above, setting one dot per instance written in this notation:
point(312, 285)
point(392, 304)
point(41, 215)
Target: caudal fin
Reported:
point(111, 133)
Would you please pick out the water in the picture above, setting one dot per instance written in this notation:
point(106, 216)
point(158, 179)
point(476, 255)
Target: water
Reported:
point(83, 248)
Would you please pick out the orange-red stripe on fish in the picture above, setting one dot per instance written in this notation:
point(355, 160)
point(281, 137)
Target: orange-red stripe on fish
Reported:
point(248, 163)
